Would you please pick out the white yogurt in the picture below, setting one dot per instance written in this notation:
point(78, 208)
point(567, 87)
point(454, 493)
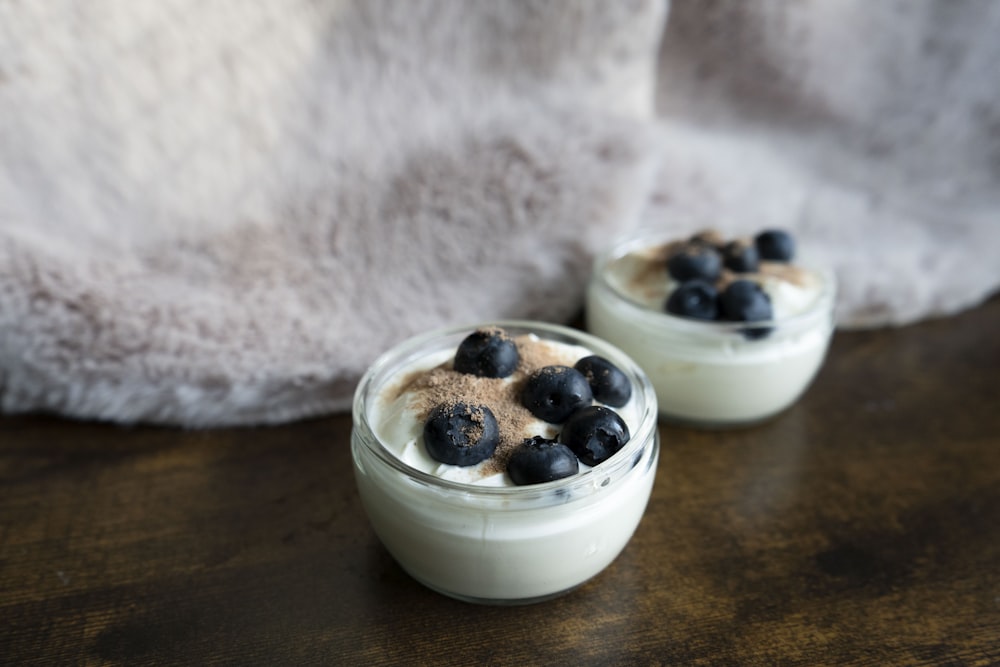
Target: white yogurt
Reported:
point(469, 532)
point(709, 373)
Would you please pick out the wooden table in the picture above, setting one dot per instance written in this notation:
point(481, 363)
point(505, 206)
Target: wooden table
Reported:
point(860, 527)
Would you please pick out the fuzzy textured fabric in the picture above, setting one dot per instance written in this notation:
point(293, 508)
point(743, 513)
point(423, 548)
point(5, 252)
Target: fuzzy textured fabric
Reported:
point(220, 212)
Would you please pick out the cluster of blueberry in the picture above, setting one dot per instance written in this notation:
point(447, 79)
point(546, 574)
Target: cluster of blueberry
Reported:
point(464, 435)
point(697, 265)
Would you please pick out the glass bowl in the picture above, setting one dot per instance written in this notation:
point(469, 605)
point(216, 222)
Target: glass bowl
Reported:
point(713, 374)
point(506, 544)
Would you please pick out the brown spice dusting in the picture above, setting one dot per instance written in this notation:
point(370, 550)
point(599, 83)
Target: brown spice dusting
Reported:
point(494, 330)
point(475, 430)
point(539, 353)
point(737, 246)
point(725, 277)
point(652, 263)
point(444, 385)
point(783, 271)
point(652, 266)
point(404, 383)
point(711, 237)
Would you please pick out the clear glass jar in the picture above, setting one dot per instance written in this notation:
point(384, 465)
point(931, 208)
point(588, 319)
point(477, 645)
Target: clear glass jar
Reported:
point(509, 544)
point(711, 373)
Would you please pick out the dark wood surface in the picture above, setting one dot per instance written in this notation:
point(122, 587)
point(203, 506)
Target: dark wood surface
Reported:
point(860, 527)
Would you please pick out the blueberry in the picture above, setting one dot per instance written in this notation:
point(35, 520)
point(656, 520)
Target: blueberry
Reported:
point(693, 261)
point(697, 299)
point(594, 434)
point(746, 301)
point(607, 382)
point(539, 460)
point(460, 434)
point(775, 245)
point(487, 353)
point(741, 257)
point(553, 393)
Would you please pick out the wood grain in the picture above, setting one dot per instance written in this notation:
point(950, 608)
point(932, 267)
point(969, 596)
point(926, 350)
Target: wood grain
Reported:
point(860, 527)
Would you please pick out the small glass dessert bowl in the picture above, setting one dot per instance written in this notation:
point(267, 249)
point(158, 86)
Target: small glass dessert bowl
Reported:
point(717, 355)
point(584, 457)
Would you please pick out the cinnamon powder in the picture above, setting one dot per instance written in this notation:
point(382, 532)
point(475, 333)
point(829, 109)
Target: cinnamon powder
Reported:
point(444, 385)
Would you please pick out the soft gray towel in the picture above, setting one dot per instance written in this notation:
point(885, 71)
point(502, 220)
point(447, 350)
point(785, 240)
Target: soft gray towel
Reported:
point(220, 212)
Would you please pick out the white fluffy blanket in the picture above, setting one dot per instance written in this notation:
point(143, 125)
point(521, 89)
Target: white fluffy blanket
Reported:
point(219, 212)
